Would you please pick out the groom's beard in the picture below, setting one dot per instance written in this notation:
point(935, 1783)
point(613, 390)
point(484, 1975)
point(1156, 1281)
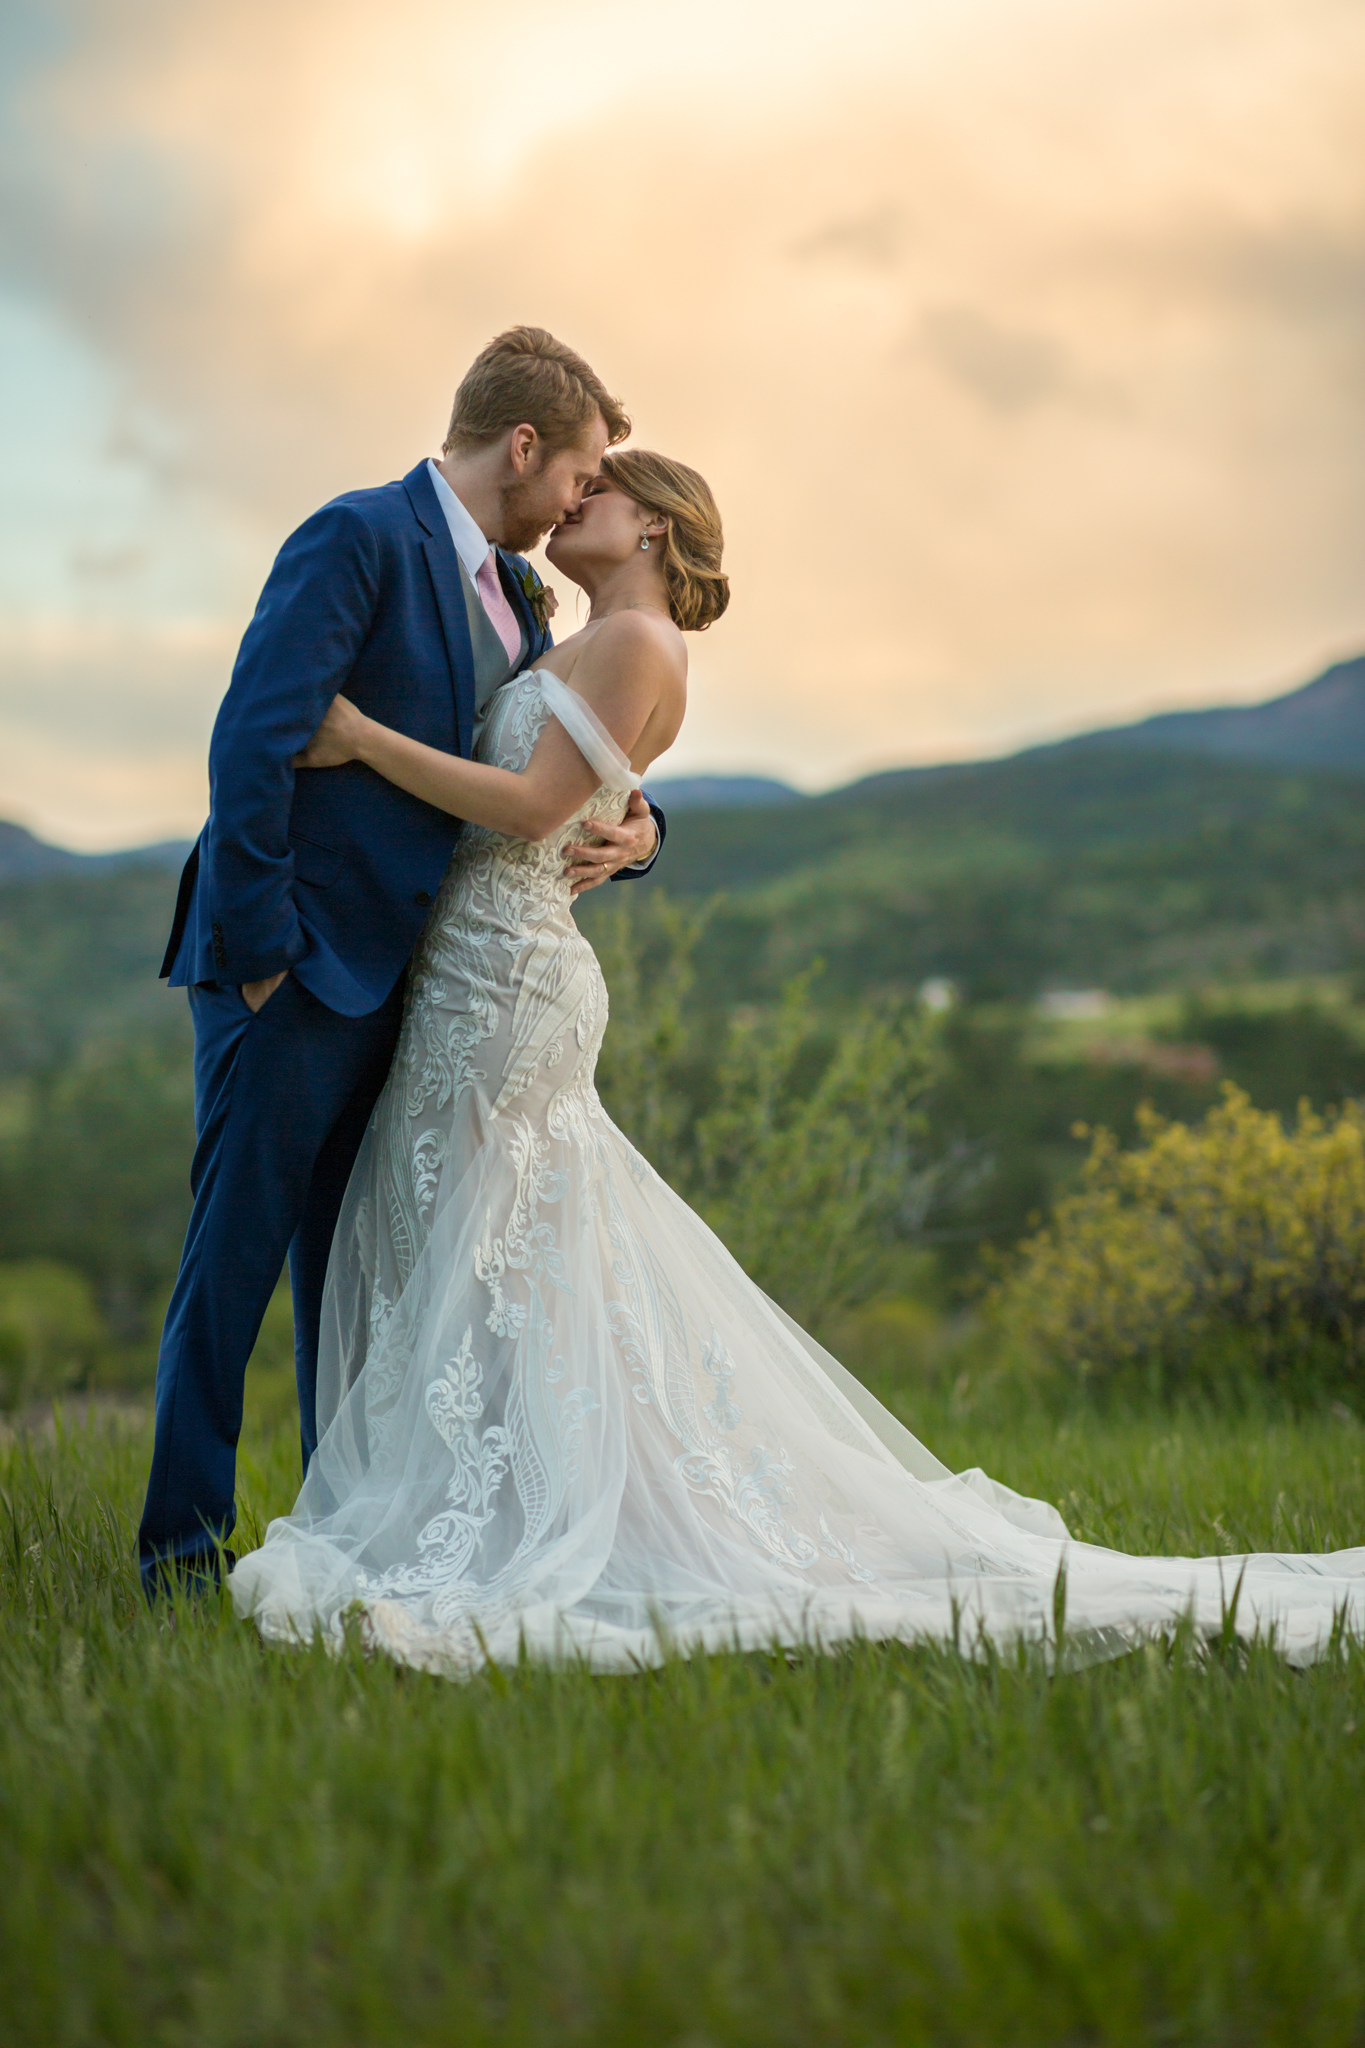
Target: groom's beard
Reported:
point(525, 520)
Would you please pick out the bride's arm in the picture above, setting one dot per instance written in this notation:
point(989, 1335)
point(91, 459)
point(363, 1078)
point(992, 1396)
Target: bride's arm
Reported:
point(623, 681)
point(531, 805)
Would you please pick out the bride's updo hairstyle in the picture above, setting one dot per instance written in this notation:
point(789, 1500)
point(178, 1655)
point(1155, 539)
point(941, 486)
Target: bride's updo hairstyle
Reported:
point(698, 590)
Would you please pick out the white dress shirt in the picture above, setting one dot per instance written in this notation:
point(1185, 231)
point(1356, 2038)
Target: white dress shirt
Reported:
point(470, 544)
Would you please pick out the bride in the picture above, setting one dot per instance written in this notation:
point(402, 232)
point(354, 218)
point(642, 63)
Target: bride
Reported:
point(553, 1411)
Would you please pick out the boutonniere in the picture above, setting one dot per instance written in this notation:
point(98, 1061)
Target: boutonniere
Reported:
point(542, 600)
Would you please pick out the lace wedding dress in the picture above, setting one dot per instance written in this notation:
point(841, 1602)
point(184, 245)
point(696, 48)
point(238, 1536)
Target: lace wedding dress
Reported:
point(555, 1412)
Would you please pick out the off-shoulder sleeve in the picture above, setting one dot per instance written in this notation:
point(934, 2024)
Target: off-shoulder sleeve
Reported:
point(588, 733)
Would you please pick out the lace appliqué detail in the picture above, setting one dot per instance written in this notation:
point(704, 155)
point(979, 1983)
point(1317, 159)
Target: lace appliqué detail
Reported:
point(538, 1442)
point(651, 1330)
point(716, 1361)
point(455, 1405)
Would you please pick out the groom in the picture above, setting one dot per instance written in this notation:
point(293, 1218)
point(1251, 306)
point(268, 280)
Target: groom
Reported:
point(304, 897)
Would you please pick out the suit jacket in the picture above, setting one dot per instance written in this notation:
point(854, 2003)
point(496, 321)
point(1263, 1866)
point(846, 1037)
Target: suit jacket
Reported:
point(330, 871)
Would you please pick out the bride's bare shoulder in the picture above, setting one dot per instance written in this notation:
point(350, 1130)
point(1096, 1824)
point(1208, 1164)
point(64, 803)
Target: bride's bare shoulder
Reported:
point(645, 643)
point(639, 627)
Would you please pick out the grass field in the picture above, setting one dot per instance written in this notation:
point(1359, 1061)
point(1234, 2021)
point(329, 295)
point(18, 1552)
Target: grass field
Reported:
point(205, 1843)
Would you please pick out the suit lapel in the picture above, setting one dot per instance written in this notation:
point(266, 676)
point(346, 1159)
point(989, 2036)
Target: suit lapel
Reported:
point(443, 565)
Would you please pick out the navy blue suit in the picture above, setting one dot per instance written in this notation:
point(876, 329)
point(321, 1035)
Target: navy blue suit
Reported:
point(330, 874)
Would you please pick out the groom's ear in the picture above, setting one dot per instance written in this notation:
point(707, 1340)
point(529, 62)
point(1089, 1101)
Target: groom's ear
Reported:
point(522, 443)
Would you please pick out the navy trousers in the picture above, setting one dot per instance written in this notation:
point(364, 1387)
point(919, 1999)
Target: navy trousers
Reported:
point(281, 1101)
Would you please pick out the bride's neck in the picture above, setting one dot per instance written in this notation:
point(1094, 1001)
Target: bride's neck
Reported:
point(636, 582)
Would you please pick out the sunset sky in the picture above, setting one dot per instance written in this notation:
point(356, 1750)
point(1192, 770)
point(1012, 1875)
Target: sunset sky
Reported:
point(1023, 342)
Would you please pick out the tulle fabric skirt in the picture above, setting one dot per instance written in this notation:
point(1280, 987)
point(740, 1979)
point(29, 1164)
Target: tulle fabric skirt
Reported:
point(563, 1420)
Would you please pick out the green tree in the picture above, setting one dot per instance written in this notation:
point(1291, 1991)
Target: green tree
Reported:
point(94, 1171)
point(51, 1331)
point(799, 1136)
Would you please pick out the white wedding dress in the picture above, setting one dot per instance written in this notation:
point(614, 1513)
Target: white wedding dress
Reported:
point(555, 1412)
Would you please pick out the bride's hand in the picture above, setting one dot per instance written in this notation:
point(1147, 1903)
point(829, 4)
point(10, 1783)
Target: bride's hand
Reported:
point(337, 739)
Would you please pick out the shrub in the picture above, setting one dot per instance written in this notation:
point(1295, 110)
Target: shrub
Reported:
point(799, 1139)
point(50, 1330)
point(1237, 1237)
point(94, 1171)
point(808, 1160)
point(650, 1073)
point(896, 1338)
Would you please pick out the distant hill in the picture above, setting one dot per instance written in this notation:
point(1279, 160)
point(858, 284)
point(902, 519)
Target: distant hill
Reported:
point(1321, 725)
point(721, 792)
point(1078, 867)
point(24, 858)
point(1092, 867)
point(1187, 850)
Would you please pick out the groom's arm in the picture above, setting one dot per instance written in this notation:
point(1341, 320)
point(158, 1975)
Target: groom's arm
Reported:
point(298, 651)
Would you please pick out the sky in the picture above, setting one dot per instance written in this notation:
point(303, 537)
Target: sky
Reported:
point(1021, 341)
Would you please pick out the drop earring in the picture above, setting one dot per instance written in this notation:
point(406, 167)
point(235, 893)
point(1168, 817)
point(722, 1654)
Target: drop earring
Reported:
point(644, 543)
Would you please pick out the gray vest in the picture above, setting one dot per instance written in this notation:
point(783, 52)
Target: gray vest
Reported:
point(491, 666)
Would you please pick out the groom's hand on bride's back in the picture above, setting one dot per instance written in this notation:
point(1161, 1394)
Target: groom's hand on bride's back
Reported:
point(603, 850)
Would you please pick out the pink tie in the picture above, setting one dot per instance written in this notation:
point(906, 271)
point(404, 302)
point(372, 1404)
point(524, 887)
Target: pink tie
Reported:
point(500, 612)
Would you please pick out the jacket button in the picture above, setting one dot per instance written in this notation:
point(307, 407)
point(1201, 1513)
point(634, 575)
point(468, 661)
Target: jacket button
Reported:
point(422, 899)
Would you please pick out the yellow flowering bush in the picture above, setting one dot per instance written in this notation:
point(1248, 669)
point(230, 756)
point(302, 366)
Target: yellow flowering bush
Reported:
point(1235, 1227)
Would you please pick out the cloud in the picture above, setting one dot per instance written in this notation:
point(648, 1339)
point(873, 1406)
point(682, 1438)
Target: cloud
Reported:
point(1007, 368)
point(876, 238)
point(1021, 345)
point(106, 726)
point(93, 563)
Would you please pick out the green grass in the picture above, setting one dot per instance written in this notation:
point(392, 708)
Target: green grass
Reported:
point(203, 1842)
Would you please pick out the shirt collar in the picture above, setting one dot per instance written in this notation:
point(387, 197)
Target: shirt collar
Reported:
point(470, 544)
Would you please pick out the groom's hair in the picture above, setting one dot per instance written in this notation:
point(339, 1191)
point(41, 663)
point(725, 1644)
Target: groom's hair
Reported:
point(526, 376)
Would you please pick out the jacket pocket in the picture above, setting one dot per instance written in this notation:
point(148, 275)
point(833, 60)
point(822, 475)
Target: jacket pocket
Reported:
point(315, 864)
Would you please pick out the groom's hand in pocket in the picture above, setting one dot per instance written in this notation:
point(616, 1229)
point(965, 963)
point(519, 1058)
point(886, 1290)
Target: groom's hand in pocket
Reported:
point(256, 994)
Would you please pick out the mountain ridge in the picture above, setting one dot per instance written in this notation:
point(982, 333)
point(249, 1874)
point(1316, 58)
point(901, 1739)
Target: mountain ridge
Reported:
point(26, 858)
point(1320, 725)
point(712, 792)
